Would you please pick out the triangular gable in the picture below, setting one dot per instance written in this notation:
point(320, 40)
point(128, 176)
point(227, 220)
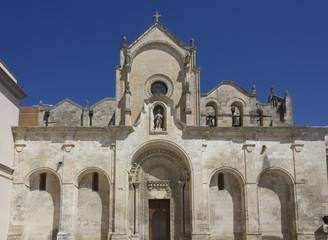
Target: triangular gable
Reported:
point(107, 99)
point(231, 83)
point(68, 101)
point(162, 29)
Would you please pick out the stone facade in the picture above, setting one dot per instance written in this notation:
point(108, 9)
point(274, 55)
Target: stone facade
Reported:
point(162, 161)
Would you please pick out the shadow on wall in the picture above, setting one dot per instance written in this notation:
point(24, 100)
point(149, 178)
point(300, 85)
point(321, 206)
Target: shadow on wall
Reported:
point(271, 238)
point(320, 234)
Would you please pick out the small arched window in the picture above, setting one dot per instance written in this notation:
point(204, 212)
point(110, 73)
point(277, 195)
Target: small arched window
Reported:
point(95, 181)
point(236, 114)
point(221, 181)
point(43, 181)
point(210, 113)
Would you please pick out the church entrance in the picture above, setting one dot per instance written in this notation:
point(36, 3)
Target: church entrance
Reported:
point(159, 196)
point(159, 219)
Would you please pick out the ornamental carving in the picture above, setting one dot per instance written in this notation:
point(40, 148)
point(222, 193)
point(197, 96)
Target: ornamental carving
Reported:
point(161, 81)
point(159, 186)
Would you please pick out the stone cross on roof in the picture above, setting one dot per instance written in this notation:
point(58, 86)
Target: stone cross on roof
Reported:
point(157, 16)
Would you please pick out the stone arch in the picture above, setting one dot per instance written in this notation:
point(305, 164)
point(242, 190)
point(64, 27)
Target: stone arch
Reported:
point(241, 101)
point(276, 204)
point(227, 205)
point(42, 204)
point(237, 111)
point(159, 170)
point(93, 211)
point(160, 43)
point(165, 144)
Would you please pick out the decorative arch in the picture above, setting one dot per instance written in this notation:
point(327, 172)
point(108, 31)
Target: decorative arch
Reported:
point(237, 100)
point(41, 170)
point(89, 170)
point(234, 171)
point(277, 210)
point(160, 43)
point(164, 144)
point(160, 170)
point(278, 170)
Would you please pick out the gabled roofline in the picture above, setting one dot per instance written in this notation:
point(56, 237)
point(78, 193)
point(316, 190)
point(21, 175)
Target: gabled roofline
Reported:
point(227, 82)
point(67, 100)
point(103, 100)
point(164, 29)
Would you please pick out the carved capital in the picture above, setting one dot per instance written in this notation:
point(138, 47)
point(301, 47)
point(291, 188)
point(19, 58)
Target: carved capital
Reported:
point(249, 147)
point(19, 147)
point(67, 147)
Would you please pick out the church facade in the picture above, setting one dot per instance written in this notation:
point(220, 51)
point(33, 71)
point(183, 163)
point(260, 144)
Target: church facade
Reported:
point(162, 161)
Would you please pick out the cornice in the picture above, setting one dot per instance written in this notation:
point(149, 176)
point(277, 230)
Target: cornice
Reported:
point(108, 130)
point(12, 86)
point(256, 131)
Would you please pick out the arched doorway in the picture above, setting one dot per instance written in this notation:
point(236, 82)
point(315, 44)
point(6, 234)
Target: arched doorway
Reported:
point(160, 198)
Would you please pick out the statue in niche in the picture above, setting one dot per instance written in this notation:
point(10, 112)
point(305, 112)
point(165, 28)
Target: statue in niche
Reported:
point(210, 121)
point(158, 118)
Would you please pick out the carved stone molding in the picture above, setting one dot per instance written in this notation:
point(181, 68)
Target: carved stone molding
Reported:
point(249, 147)
point(159, 185)
point(19, 147)
point(298, 147)
point(159, 78)
point(67, 147)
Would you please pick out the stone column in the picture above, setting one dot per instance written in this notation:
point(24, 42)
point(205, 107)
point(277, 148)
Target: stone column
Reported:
point(182, 207)
point(252, 217)
point(68, 197)
point(127, 109)
point(251, 198)
point(67, 212)
point(136, 207)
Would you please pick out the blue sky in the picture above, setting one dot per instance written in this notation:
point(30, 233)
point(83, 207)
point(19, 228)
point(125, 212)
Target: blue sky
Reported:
point(60, 49)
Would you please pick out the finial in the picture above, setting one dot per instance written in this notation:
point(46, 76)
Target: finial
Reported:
point(40, 103)
point(286, 93)
point(191, 42)
point(272, 90)
point(157, 16)
point(124, 40)
point(87, 103)
point(254, 93)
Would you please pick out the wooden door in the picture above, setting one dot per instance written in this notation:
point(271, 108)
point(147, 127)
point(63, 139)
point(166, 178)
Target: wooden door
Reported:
point(159, 219)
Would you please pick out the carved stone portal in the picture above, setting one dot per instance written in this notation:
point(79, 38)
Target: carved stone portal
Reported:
point(161, 175)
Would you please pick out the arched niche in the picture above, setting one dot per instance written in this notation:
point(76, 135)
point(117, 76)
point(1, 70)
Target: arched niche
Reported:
point(160, 176)
point(227, 205)
point(237, 113)
point(158, 117)
point(211, 114)
point(42, 205)
point(276, 205)
point(259, 120)
point(92, 205)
